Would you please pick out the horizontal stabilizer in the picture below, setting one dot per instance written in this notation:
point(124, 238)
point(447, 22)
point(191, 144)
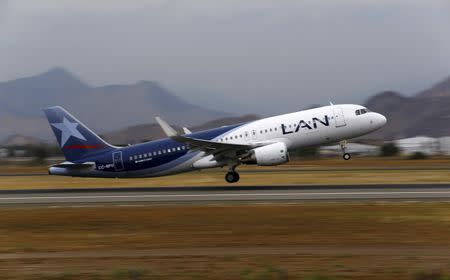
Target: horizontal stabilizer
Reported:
point(73, 166)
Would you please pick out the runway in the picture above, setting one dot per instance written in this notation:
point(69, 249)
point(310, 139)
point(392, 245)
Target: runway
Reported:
point(202, 195)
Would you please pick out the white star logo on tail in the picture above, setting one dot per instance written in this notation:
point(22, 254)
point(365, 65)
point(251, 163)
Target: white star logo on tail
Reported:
point(68, 129)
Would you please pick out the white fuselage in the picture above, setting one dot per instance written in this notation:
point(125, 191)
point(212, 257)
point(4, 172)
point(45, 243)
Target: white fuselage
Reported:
point(306, 128)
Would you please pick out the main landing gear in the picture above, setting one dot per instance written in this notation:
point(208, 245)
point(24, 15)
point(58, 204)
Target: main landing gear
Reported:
point(232, 176)
point(345, 156)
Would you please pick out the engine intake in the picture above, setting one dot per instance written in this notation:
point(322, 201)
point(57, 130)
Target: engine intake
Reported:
point(273, 154)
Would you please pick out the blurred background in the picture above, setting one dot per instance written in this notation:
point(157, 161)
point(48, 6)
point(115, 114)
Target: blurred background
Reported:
point(204, 64)
point(117, 65)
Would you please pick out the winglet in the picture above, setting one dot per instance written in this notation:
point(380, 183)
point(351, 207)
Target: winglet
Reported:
point(186, 130)
point(168, 130)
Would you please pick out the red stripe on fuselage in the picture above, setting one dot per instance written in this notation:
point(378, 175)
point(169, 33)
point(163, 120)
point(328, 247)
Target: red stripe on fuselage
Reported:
point(73, 147)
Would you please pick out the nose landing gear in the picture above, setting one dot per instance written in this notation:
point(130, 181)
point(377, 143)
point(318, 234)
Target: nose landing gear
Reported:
point(345, 156)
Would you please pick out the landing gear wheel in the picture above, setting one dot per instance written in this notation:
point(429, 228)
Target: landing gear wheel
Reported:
point(232, 177)
point(347, 156)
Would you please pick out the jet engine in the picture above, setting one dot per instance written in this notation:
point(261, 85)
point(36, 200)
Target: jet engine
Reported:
point(273, 154)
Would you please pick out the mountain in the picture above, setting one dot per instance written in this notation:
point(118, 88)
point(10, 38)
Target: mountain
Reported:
point(112, 107)
point(426, 113)
point(147, 132)
point(102, 108)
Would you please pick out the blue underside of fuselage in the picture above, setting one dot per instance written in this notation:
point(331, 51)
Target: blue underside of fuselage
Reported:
point(158, 163)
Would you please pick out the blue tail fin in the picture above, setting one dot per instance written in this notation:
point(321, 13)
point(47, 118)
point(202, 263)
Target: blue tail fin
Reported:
point(75, 139)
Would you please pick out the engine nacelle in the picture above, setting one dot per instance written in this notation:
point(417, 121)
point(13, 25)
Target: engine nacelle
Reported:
point(273, 154)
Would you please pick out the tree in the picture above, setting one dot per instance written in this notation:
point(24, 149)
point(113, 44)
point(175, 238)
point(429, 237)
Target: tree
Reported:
point(39, 154)
point(389, 150)
point(310, 152)
point(418, 155)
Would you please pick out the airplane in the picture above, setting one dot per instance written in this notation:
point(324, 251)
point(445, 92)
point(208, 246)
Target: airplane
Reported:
point(264, 142)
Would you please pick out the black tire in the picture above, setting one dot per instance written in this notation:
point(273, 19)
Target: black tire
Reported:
point(237, 177)
point(347, 156)
point(232, 177)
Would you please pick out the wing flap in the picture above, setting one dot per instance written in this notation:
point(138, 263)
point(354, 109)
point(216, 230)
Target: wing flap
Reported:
point(210, 145)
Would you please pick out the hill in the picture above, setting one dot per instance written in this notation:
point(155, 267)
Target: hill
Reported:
point(102, 108)
point(426, 113)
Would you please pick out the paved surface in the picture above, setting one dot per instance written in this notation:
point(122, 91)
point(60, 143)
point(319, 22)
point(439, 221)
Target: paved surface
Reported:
point(331, 250)
point(227, 194)
point(290, 170)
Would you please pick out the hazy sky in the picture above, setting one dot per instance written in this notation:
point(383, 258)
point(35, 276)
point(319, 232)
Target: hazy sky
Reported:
point(257, 55)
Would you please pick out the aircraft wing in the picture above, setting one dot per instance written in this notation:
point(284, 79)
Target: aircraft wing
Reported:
point(218, 149)
point(207, 145)
point(186, 130)
point(168, 130)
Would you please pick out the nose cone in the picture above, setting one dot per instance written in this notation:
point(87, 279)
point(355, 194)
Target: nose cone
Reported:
point(380, 120)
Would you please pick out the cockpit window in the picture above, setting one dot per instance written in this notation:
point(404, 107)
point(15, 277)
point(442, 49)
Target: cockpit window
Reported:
point(362, 111)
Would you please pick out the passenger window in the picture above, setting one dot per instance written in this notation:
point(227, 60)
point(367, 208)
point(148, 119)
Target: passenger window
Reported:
point(266, 130)
point(131, 158)
point(179, 149)
point(140, 156)
point(145, 155)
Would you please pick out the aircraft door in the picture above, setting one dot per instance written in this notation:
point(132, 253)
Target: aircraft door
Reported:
point(117, 160)
point(339, 118)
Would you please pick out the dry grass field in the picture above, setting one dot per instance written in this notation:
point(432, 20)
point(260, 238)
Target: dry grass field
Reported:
point(328, 171)
point(311, 241)
point(290, 241)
